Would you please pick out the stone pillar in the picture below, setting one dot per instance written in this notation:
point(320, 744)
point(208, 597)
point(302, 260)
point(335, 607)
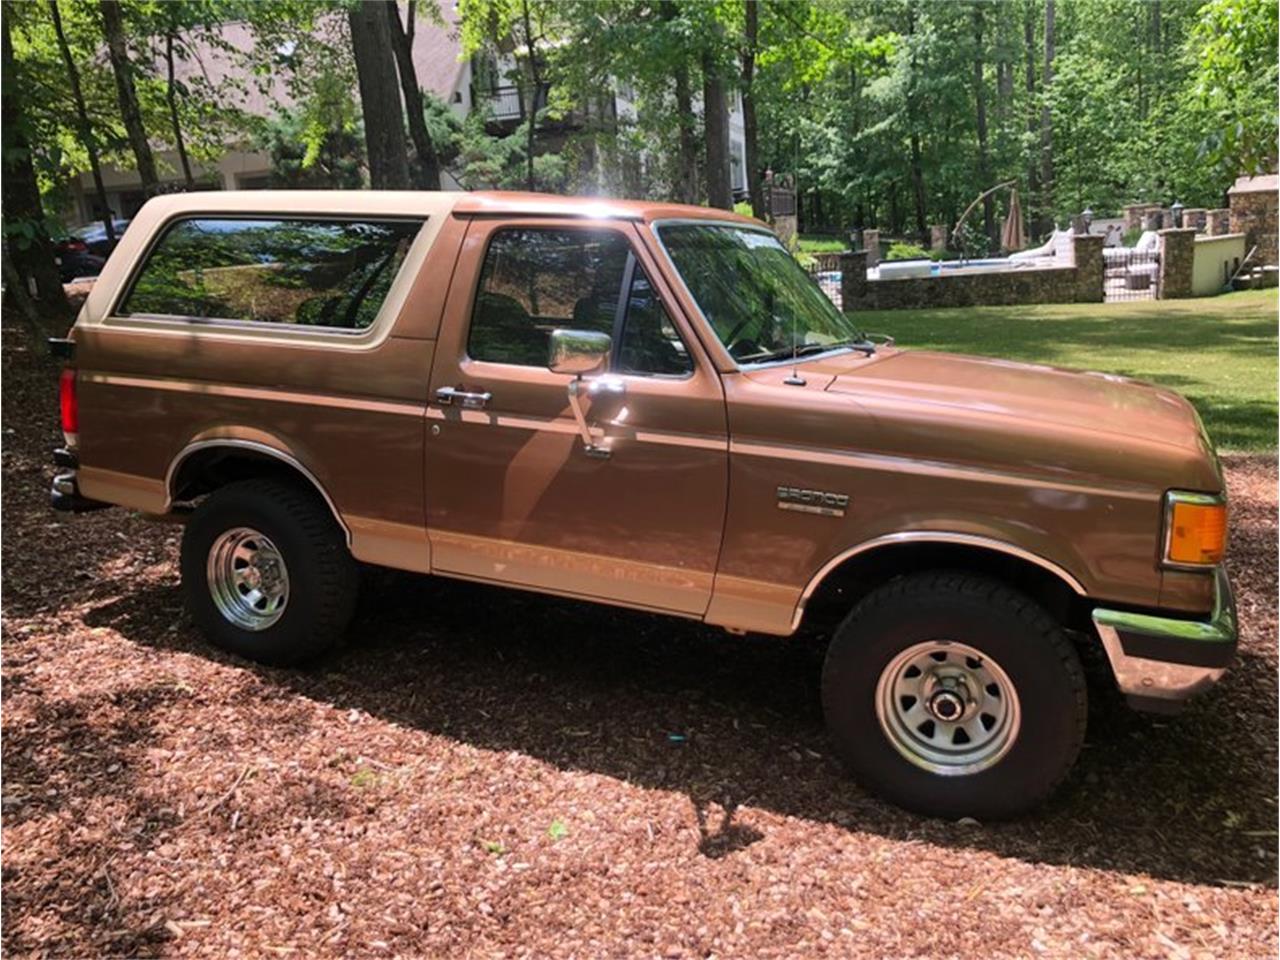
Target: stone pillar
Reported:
point(1196, 218)
point(1219, 222)
point(1255, 215)
point(853, 279)
point(1177, 252)
point(871, 244)
point(938, 236)
point(1134, 214)
point(1153, 221)
point(1087, 252)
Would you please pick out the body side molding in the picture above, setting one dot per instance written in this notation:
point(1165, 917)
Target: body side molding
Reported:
point(931, 536)
point(256, 447)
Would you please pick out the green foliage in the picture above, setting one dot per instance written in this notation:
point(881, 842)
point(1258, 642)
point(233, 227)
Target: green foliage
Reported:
point(1233, 46)
point(815, 244)
point(906, 251)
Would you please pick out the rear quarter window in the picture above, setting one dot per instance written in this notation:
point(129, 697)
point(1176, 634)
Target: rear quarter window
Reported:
point(320, 273)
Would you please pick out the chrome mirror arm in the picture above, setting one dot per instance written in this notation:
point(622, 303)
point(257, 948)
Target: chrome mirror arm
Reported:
point(611, 385)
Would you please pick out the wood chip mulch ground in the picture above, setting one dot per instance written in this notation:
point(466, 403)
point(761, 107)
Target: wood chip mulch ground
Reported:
point(490, 774)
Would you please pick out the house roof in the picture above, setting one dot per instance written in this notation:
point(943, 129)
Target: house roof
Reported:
point(1267, 183)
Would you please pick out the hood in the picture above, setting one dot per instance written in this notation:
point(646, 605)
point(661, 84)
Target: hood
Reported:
point(1098, 403)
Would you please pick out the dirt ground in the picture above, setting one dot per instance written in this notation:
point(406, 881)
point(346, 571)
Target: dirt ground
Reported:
point(484, 774)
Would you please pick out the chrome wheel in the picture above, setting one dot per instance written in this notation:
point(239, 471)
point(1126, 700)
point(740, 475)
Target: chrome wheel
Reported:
point(248, 579)
point(947, 707)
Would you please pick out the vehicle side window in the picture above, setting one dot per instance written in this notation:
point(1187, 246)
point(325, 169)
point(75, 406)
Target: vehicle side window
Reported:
point(649, 343)
point(536, 280)
point(299, 272)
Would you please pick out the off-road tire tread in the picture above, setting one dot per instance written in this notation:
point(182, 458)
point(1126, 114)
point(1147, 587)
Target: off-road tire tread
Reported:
point(333, 596)
point(1040, 625)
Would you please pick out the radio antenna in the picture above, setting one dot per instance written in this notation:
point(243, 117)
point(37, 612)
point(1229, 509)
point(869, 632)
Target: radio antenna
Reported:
point(795, 380)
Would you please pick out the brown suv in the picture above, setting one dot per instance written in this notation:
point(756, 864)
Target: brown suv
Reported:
point(652, 406)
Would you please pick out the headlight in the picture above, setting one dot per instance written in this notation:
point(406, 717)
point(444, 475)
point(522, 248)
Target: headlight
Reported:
point(1195, 529)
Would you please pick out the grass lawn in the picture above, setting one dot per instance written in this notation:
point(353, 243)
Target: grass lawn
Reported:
point(1220, 352)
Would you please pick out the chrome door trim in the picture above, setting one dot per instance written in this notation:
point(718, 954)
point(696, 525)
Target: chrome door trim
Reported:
point(931, 536)
point(256, 447)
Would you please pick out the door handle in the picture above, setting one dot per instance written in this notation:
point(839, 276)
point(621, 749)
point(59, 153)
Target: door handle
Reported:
point(448, 396)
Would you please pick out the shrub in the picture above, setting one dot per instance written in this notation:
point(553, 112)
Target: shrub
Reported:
point(816, 244)
point(906, 251)
point(1131, 236)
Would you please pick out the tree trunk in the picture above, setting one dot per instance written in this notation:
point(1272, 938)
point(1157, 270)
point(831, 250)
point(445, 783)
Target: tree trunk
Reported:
point(535, 79)
point(83, 125)
point(917, 167)
point(917, 187)
point(379, 96)
point(426, 164)
point(687, 178)
point(130, 112)
point(980, 109)
point(30, 251)
point(1046, 116)
point(755, 189)
point(1035, 209)
point(715, 118)
point(171, 94)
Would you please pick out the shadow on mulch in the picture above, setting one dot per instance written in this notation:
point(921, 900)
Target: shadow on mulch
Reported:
point(95, 736)
point(674, 705)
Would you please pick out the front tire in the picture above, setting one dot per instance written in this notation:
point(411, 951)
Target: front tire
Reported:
point(953, 695)
point(266, 573)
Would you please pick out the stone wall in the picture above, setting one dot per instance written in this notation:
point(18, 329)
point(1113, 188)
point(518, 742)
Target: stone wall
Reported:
point(1218, 222)
point(785, 227)
point(1080, 282)
point(1177, 261)
point(1196, 218)
point(1146, 216)
point(1253, 213)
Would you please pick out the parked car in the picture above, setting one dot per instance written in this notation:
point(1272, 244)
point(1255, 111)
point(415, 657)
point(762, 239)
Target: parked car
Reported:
point(652, 406)
point(84, 251)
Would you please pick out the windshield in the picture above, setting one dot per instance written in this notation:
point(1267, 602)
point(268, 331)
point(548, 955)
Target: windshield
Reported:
point(759, 301)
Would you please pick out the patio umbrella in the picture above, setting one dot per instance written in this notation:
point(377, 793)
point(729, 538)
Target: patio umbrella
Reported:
point(1011, 235)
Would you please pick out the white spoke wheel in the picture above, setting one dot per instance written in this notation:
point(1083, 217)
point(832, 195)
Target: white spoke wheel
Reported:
point(947, 707)
point(248, 580)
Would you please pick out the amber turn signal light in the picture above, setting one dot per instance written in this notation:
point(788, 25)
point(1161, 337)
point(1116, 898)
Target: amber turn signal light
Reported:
point(1196, 529)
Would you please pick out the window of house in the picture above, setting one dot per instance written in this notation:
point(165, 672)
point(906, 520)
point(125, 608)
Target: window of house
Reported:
point(296, 272)
point(534, 281)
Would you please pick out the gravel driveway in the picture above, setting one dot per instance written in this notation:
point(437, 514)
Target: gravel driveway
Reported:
point(484, 773)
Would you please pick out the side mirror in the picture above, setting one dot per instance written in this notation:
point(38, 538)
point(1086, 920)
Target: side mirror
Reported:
point(578, 352)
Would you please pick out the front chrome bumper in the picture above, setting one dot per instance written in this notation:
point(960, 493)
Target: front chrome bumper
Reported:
point(1160, 662)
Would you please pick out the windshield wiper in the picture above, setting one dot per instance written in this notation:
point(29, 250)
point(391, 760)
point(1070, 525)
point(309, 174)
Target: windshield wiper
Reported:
point(866, 346)
point(808, 349)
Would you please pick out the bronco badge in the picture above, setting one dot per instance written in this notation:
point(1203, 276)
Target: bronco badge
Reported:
point(812, 501)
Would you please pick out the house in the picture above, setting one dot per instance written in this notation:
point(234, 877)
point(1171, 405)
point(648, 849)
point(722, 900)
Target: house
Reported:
point(464, 84)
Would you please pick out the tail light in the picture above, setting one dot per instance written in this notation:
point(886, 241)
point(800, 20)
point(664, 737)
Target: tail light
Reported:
point(69, 404)
point(74, 246)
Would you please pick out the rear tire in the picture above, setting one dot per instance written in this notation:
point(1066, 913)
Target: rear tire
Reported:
point(266, 573)
point(953, 695)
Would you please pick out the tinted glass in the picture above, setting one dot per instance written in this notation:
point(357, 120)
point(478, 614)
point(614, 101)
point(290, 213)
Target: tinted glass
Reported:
point(650, 343)
point(759, 301)
point(534, 281)
point(316, 273)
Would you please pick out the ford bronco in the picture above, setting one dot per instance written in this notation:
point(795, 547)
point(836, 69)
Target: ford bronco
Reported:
point(653, 406)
